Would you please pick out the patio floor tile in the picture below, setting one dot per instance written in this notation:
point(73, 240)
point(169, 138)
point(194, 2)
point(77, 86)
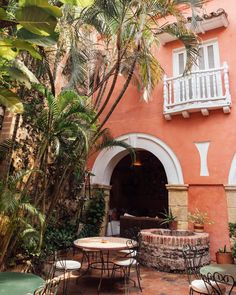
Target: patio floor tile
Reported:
point(153, 283)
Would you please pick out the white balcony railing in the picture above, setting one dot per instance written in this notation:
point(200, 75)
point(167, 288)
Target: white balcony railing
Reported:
point(199, 91)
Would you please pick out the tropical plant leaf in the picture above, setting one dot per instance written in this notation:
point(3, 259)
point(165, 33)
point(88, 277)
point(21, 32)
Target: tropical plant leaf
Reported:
point(53, 10)
point(21, 73)
point(11, 101)
point(27, 207)
point(36, 20)
point(3, 14)
point(80, 3)
point(24, 45)
point(6, 50)
point(9, 48)
point(45, 41)
point(19, 76)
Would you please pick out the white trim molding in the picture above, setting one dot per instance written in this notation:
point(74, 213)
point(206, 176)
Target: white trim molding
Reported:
point(202, 148)
point(232, 172)
point(108, 159)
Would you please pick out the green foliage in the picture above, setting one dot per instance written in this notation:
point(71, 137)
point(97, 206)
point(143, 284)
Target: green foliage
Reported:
point(223, 250)
point(38, 20)
point(234, 250)
point(232, 229)
point(232, 234)
point(94, 214)
point(21, 220)
point(168, 217)
point(10, 100)
point(59, 236)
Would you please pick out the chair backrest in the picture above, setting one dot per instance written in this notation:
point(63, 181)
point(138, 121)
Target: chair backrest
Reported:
point(217, 283)
point(133, 246)
point(133, 233)
point(60, 258)
point(49, 269)
point(51, 287)
point(192, 260)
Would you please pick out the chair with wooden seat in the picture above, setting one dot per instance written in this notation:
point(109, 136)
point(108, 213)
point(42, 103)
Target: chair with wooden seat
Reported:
point(128, 261)
point(193, 262)
point(218, 284)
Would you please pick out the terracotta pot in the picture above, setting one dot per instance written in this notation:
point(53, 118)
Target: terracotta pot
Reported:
point(224, 258)
point(198, 228)
point(173, 225)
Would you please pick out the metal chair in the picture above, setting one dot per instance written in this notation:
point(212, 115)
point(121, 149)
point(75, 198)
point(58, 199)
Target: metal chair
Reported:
point(133, 234)
point(65, 265)
point(90, 255)
point(218, 283)
point(130, 259)
point(192, 260)
point(51, 287)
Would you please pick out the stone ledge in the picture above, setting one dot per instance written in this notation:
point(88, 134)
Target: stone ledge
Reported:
point(177, 187)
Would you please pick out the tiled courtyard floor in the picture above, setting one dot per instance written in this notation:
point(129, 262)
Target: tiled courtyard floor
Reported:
point(153, 283)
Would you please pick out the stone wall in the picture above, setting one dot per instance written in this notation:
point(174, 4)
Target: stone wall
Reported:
point(230, 191)
point(178, 203)
point(162, 249)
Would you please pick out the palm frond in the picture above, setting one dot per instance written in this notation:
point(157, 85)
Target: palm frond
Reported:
point(188, 38)
point(106, 141)
point(34, 212)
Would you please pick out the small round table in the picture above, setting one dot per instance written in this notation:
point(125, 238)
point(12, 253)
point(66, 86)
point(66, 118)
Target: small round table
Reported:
point(104, 245)
point(12, 283)
point(223, 269)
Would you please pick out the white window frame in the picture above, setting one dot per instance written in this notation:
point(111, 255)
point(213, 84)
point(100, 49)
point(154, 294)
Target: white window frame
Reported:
point(204, 45)
point(180, 91)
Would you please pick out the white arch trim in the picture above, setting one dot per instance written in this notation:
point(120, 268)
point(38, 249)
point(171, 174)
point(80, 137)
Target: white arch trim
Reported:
point(108, 159)
point(232, 172)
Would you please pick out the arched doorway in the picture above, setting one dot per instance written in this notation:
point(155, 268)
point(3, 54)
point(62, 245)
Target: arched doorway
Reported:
point(107, 160)
point(139, 190)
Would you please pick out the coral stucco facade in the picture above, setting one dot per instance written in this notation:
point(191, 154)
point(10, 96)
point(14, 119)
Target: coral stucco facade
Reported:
point(201, 147)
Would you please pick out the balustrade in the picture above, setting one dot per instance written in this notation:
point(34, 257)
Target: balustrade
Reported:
point(198, 91)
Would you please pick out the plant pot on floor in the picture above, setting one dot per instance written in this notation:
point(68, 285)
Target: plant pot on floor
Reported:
point(224, 258)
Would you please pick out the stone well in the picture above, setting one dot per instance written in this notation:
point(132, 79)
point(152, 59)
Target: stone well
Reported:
point(162, 248)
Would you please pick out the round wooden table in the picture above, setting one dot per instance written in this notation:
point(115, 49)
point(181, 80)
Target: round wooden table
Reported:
point(223, 269)
point(12, 283)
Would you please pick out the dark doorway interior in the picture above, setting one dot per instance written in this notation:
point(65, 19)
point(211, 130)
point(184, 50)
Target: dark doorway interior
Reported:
point(139, 190)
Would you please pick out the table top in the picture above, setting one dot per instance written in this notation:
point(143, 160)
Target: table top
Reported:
point(221, 268)
point(103, 243)
point(12, 283)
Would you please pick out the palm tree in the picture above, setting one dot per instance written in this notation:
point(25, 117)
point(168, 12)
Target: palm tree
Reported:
point(63, 137)
point(112, 38)
point(17, 214)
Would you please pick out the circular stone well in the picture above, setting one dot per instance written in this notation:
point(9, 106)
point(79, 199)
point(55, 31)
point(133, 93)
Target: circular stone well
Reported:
point(162, 248)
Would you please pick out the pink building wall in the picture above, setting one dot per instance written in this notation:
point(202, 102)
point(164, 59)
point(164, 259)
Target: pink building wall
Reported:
point(135, 116)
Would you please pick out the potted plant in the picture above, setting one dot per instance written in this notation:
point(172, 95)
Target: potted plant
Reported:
point(170, 219)
point(199, 219)
point(224, 257)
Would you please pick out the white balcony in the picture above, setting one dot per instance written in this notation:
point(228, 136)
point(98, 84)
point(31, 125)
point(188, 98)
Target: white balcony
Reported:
point(199, 91)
